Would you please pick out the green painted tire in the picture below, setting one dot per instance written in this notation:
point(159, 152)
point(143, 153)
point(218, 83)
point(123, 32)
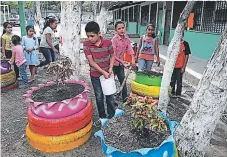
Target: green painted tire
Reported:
point(148, 80)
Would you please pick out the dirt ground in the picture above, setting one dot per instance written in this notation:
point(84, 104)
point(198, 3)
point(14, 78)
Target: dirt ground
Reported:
point(13, 120)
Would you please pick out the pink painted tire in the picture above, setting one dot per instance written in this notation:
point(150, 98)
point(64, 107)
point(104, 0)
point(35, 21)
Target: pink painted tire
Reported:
point(55, 110)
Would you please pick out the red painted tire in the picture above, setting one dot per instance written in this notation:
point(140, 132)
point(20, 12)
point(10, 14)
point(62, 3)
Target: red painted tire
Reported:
point(10, 87)
point(61, 109)
point(60, 126)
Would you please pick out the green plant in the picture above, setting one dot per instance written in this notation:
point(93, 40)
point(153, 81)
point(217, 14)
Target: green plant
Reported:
point(145, 116)
point(61, 68)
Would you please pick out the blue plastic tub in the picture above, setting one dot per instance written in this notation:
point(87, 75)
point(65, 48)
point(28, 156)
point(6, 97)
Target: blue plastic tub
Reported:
point(166, 149)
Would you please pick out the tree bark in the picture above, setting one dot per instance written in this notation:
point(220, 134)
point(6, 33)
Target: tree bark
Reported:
point(209, 102)
point(38, 10)
point(70, 32)
point(94, 8)
point(172, 54)
point(102, 20)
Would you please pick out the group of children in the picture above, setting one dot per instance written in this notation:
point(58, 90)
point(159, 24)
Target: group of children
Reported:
point(22, 52)
point(106, 57)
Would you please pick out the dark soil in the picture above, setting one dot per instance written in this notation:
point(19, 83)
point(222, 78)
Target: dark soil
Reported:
point(119, 134)
point(56, 92)
point(149, 73)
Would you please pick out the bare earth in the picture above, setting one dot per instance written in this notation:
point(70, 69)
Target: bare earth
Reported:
point(13, 120)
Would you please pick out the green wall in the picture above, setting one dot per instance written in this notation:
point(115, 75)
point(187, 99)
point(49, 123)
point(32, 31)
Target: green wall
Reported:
point(201, 44)
point(131, 27)
point(142, 30)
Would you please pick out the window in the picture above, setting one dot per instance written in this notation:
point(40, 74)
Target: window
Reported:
point(136, 13)
point(198, 15)
point(208, 14)
point(119, 14)
point(144, 15)
point(123, 17)
point(177, 9)
point(220, 17)
point(131, 14)
point(126, 15)
point(153, 13)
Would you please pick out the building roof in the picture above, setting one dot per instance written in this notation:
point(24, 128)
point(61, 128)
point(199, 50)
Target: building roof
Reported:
point(122, 4)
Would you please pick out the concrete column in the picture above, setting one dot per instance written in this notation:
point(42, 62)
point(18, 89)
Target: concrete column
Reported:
point(22, 17)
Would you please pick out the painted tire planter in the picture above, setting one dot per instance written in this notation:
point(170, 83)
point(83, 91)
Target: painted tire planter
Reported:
point(145, 90)
point(166, 149)
point(148, 80)
point(58, 143)
point(5, 66)
point(8, 79)
point(10, 87)
point(55, 110)
point(60, 126)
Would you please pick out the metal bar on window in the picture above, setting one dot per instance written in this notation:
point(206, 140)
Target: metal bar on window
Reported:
point(201, 26)
point(149, 14)
point(171, 24)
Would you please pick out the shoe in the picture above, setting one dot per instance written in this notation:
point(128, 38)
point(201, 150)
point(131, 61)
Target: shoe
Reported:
point(19, 79)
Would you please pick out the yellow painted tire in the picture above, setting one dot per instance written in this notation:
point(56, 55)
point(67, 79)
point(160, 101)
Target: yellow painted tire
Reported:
point(58, 143)
point(145, 90)
point(7, 79)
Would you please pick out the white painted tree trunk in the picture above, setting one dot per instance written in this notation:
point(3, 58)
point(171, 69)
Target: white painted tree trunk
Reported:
point(172, 54)
point(209, 102)
point(102, 20)
point(38, 10)
point(94, 8)
point(70, 31)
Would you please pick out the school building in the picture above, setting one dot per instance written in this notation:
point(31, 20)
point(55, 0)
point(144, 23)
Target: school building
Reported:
point(203, 30)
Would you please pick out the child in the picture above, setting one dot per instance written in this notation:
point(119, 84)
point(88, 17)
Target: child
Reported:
point(121, 45)
point(100, 55)
point(180, 66)
point(7, 44)
point(19, 59)
point(30, 44)
point(148, 47)
point(46, 45)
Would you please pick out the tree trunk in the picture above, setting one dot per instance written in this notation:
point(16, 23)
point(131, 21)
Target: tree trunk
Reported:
point(71, 27)
point(94, 8)
point(208, 104)
point(102, 20)
point(172, 54)
point(38, 10)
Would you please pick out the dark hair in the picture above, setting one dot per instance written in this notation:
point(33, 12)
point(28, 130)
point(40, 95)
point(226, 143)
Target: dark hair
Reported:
point(117, 23)
point(16, 40)
point(92, 27)
point(29, 27)
point(48, 22)
point(5, 24)
point(153, 35)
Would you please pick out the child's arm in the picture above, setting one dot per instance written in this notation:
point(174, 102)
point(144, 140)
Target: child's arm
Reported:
point(131, 52)
point(11, 61)
point(157, 51)
point(187, 52)
point(112, 58)
point(140, 44)
point(3, 47)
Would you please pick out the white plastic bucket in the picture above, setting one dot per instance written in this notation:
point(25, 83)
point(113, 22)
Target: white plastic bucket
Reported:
point(108, 85)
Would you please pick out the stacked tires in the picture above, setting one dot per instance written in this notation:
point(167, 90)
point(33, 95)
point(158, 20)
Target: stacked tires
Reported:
point(59, 126)
point(147, 85)
point(8, 77)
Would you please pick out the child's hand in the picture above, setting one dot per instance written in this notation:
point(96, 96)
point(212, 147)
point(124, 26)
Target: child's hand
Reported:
point(106, 75)
point(11, 61)
point(110, 71)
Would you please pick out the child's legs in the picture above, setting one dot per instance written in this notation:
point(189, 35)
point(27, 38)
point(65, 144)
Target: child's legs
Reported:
point(120, 72)
point(141, 64)
point(32, 71)
point(23, 73)
point(9, 56)
point(179, 76)
point(47, 55)
point(99, 96)
point(173, 81)
point(149, 64)
point(53, 56)
point(110, 105)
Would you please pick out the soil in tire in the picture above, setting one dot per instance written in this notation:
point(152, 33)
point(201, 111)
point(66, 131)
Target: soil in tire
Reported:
point(56, 93)
point(119, 134)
